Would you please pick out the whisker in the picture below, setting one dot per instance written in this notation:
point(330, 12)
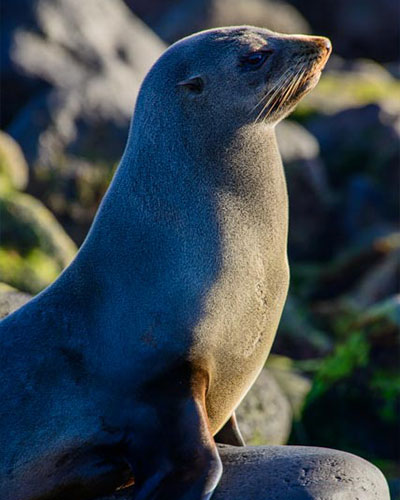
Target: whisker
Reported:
point(269, 92)
point(291, 87)
point(275, 90)
point(280, 98)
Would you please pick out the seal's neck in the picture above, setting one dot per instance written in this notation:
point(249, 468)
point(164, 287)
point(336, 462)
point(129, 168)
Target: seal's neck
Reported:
point(164, 194)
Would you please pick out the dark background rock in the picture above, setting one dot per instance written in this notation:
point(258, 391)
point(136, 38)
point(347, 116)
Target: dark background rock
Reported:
point(189, 16)
point(309, 193)
point(16, 90)
point(360, 28)
point(360, 148)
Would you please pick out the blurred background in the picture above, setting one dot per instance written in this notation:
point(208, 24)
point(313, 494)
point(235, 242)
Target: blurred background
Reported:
point(70, 72)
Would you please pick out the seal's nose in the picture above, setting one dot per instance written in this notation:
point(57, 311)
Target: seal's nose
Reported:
point(323, 43)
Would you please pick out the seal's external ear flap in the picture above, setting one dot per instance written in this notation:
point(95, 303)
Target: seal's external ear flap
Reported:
point(194, 84)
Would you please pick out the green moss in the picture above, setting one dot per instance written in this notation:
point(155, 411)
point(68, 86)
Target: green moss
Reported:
point(13, 167)
point(348, 356)
point(34, 247)
point(5, 288)
point(387, 386)
point(29, 273)
point(26, 224)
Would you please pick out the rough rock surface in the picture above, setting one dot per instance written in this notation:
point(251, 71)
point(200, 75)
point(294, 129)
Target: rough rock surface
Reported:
point(93, 55)
point(265, 414)
point(11, 299)
point(294, 473)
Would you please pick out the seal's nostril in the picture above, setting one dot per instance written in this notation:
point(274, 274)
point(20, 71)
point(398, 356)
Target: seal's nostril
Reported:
point(326, 43)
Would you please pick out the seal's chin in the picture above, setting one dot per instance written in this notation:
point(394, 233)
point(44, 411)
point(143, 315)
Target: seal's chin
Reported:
point(308, 84)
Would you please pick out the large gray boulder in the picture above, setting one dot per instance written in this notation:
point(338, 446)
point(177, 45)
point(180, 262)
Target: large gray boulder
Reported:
point(293, 473)
point(298, 473)
point(93, 55)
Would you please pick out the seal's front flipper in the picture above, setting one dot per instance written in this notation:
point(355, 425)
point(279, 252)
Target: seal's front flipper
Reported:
point(230, 433)
point(179, 460)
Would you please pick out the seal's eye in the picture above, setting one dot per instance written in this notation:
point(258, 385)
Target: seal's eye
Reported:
point(255, 60)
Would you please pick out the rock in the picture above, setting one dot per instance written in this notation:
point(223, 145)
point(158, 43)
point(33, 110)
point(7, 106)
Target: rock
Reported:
point(354, 264)
point(150, 11)
point(293, 473)
point(309, 194)
point(16, 90)
point(295, 142)
point(360, 148)
point(34, 247)
point(297, 473)
point(13, 167)
point(386, 311)
point(364, 139)
point(92, 57)
point(292, 383)
point(265, 414)
point(186, 17)
point(11, 299)
point(362, 28)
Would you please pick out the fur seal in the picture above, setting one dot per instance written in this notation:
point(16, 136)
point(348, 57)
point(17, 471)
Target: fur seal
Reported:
point(139, 353)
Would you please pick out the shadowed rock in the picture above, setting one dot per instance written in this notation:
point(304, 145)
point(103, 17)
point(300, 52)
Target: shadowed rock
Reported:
point(309, 192)
point(187, 17)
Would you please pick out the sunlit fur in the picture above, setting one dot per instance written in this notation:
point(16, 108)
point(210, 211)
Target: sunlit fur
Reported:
point(141, 350)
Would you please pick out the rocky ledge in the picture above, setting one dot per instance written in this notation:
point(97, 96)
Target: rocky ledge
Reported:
point(293, 473)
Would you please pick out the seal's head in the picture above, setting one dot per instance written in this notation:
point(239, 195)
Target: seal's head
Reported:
point(237, 75)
